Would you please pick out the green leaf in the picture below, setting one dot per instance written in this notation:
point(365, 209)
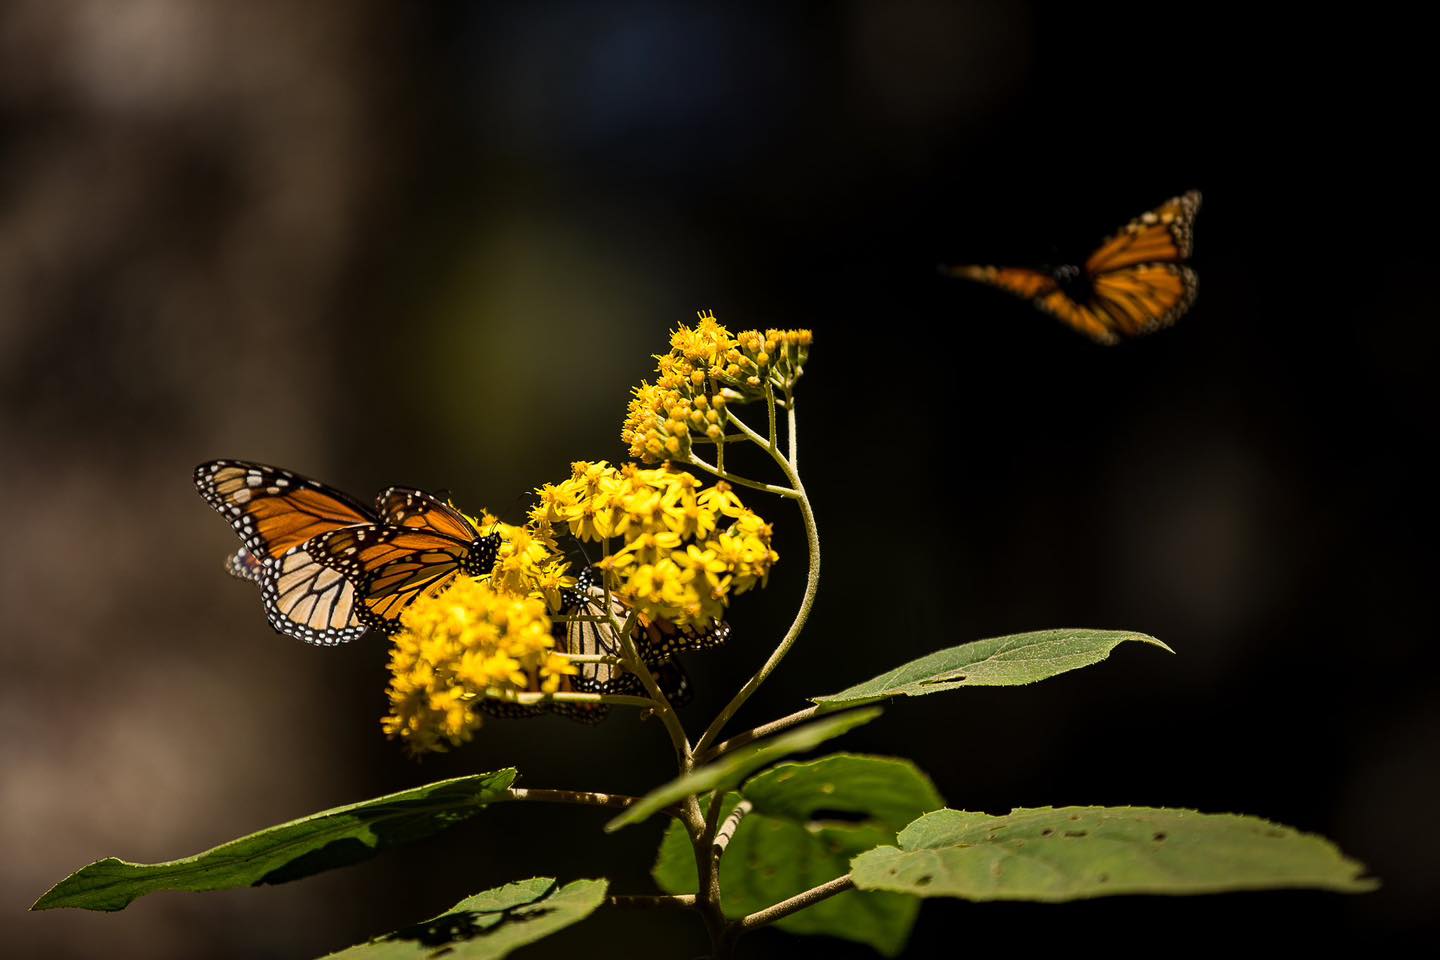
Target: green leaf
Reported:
point(796, 839)
point(319, 842)
point(999, 662)
point(733, 767)
point(1070, 853)
point(488, 925)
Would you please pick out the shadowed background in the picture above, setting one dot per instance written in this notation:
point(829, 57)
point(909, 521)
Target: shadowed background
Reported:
point(435, 245)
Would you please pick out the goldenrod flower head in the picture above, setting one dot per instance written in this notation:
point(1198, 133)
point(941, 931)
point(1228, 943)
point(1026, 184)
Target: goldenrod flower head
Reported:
point(458, 646)
point(684, 548)
point(529, 563)
point(705, 367)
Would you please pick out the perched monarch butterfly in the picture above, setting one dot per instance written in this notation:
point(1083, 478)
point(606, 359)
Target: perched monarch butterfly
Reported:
point(317, 588)
point(1135, 283)
point(595, 637)
point(276, 513)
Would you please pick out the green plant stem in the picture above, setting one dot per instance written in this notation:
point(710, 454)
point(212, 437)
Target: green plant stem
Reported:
point(707, 860)
point(742, 481)
point(682, 901)
point(784, 908)
point(774, 445)
point(531, 699)
point(790, 431)
point(812, 584)
point(579, 797)
point(750, 736)
point(726, 833)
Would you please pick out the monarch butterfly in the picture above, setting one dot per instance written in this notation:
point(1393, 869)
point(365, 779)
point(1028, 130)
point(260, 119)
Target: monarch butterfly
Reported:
point(599, 637)
point(276, 513)
point(313, 586)
point(1134, 283)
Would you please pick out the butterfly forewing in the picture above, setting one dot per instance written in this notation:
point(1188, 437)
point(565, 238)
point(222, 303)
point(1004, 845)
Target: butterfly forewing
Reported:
point(407, 507)
point(1162, 235)
point(274, 510)
point(1017, 280)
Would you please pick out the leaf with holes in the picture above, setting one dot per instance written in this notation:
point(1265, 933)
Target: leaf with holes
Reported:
point(319, 842)
point(488, 925)
point(998, 662)
point(1071, 853)
point(809, 820)
point(733, 767)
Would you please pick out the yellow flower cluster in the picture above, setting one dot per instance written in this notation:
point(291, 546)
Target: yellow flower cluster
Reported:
point(687, 549)
point(529, 563)
point(705, 368)
point(457, 646)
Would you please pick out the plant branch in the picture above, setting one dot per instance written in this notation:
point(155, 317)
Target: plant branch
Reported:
point(795, 904)
point(742, 481)
point(683, 901)
point(728, 828)
point(750, 736)
point(790, 431)
point(812, 585)
point(532, 698)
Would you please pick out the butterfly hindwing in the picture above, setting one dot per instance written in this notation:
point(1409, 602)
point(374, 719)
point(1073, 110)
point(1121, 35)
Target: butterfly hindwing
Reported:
point(1146, 297)
point(310, 601)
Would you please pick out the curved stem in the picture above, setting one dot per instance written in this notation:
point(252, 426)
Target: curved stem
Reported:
point(812, 585)
point(743, 481)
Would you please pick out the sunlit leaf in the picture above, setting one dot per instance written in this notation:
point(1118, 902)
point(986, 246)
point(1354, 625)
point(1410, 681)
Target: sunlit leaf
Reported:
point(809, 820)
point(733, 767)
point(1070, 853)
point(322, 841)
point(488, 925)
point(998, 662)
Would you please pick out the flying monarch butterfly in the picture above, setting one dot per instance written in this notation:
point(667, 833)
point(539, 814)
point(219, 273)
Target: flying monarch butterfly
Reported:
point(276, 513)
point(1134, 283)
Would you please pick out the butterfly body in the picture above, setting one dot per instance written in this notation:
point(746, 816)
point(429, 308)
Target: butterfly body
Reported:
point(1136, 282)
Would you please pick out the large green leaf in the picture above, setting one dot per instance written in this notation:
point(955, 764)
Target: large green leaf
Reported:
point(321, 841)
point(1070, 853)
point(733, 767)
point(998, 662)
point(809, 820)
point(488, 925)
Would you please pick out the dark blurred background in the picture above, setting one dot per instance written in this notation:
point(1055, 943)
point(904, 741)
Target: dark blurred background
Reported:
point(435, 244)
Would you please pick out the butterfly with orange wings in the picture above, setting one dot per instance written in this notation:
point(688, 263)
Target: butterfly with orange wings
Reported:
point(329, 567)
point(1135, 283)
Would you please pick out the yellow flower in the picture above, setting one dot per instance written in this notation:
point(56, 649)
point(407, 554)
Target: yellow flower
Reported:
point(458, 646)
point(675, 550)
point(705, 367)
